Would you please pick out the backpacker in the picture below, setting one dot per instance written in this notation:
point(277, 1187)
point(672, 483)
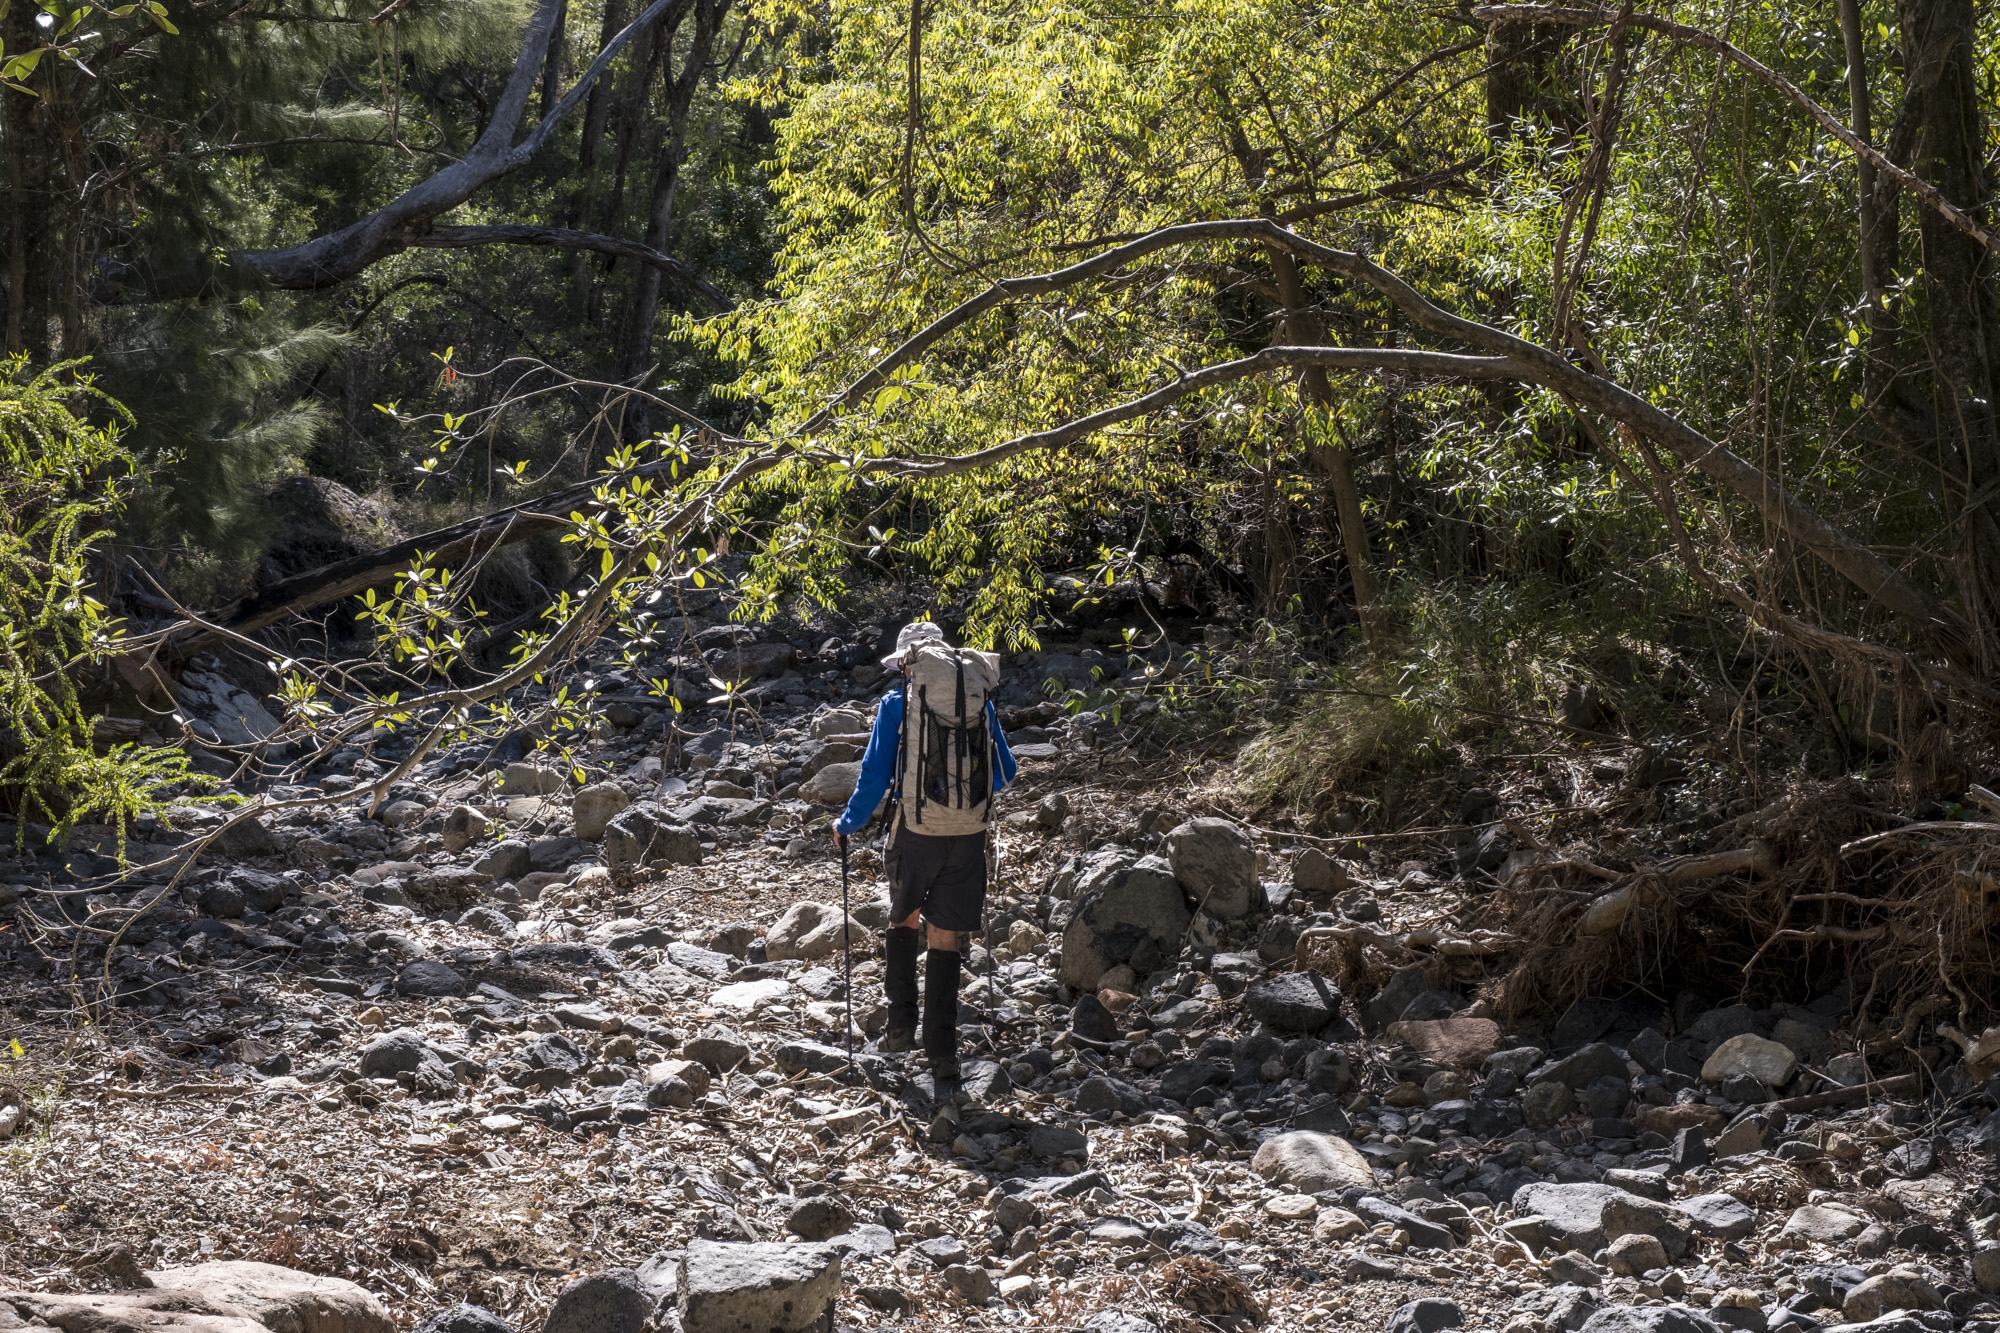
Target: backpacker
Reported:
point(947, 751)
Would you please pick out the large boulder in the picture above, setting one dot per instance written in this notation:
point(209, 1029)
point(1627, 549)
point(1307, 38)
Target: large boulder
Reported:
point(1216, 862)
point(595, 806)
point(642, 836)
point(812, 930)
point(756, 1288)
point(1130, 914)
point(283, 1300)
point(1311, 1162)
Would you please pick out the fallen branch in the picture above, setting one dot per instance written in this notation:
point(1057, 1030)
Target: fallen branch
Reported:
point(1860, 1092)
point(1927, 826)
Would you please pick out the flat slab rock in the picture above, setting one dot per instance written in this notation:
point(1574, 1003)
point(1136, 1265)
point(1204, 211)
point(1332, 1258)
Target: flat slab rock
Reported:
point(758, 1287)
point(233, 1296)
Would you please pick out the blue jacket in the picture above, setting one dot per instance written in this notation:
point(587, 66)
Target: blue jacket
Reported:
point(878, 761)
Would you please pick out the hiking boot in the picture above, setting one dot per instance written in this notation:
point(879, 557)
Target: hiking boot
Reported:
point(896, 1038)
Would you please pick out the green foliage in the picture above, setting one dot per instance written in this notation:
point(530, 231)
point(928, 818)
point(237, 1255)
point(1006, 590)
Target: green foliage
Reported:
point(61, 478)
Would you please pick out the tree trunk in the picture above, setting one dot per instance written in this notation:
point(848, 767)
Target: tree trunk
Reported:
point(1963, 335)
point(1300, 329)
point(31, 154)
point(666, 182)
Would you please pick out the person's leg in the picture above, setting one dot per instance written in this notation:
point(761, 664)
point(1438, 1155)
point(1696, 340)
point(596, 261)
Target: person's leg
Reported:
point(912, 868)
point(953, 910)
point(899, 981)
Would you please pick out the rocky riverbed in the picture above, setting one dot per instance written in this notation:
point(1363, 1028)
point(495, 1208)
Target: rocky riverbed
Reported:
point(566, 1041)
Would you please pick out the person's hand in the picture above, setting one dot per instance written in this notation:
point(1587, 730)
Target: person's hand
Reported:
point(840, 841)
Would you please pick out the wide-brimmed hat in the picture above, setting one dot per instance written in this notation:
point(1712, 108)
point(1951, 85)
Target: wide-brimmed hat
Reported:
point(913, 634)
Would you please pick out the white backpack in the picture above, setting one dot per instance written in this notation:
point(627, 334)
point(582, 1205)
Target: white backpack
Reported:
point(947, 750)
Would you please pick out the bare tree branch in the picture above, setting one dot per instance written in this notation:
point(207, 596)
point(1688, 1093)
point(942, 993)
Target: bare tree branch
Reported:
point(1593, 18)
point(562, 238)
point(327, 260)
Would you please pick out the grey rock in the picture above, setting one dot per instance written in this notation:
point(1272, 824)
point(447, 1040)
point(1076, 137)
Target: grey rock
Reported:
point(487, 920)
point(400, 1052)
point(1117, 1321)
point(1627, 1214)
point(867, 1241)
point(1722, 1216)
point(1594, 1061)
point(557, 854)
point(943, 1251)
point(1546, 1102)
point(1294, 1002)
point(1574, 1266)
point(1584, 1021)
point(223, 901)
point(1092, 1021)
point(1606, 1096)
point(822, 1218)
point(1311, 1162)
point(718, 1048)
point(529, 778)
point(972, 1284)
point(1124, 914)
point(426, 977)
point(262, 891)
point(464, 1318)
point(1566, 1306)
point(702, 962)
point(758, 1287)
point(1427, 1315)
point(1315, 874)
point(611, 1301)
point(1649, 1319)
point(595, 806)
point(808, 1057)
point(1633, 1255)
point(1183, 1080)
point(566, 956)
point(1056, 1141)
point(1574, 1214)
point(886, 1299)
point(507, 859)
point(1216, 862)
point(1424, 1235)
point(556, 1058)
point(643, 835)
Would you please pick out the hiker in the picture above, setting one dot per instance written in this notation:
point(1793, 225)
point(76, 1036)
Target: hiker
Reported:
point(938, 752)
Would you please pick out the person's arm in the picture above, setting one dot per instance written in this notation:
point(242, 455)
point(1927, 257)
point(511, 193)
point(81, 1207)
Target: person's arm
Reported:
point(878, 765)
point(1005, 766)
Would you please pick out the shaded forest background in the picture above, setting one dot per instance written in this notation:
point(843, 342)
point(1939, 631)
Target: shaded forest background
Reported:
point(358, 272)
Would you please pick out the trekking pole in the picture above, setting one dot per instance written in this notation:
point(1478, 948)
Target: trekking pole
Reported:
point(847, 951)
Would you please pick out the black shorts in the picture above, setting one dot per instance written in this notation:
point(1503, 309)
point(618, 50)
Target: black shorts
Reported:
point(944, 878)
